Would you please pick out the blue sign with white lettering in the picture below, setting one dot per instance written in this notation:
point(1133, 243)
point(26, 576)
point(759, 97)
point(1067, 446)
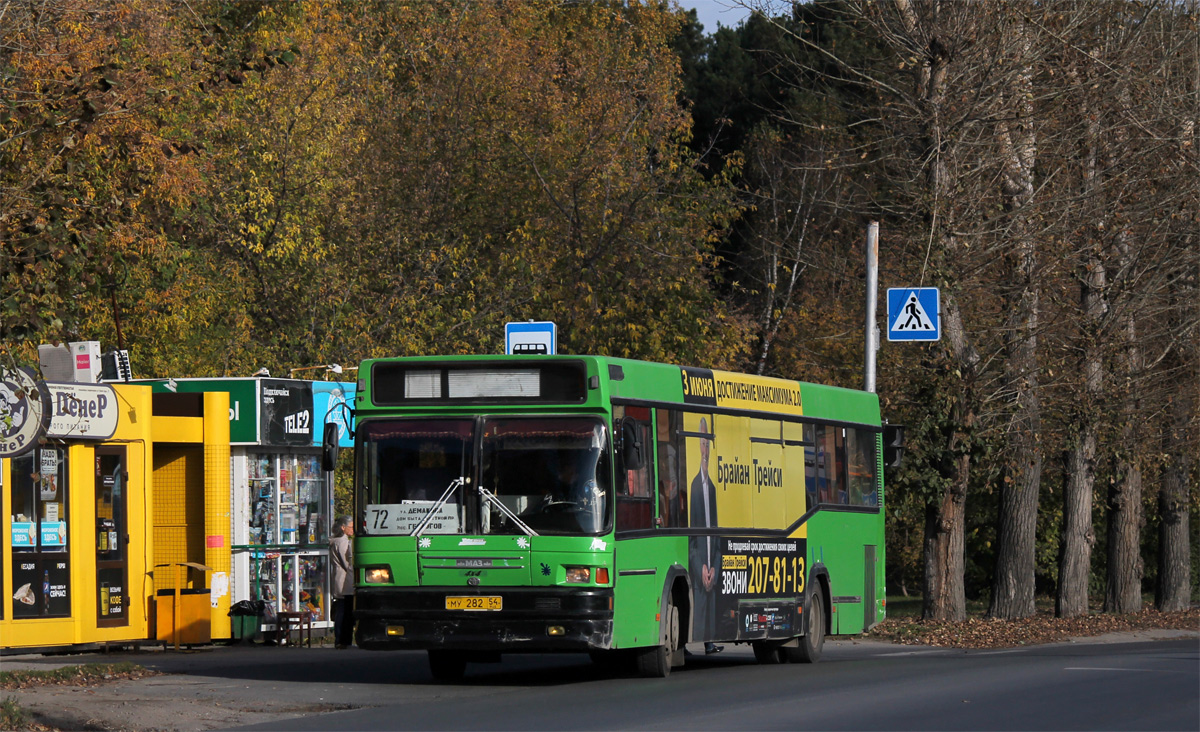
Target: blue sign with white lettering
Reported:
point(913, 314)
point(333, 402)
point(54, 533)
point(24, 534)
point(531, 338)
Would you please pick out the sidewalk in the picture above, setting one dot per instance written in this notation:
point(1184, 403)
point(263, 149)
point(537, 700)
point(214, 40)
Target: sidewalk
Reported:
point(214, 687)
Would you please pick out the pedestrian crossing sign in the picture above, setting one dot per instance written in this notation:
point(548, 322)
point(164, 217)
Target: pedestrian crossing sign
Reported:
point(913, 314)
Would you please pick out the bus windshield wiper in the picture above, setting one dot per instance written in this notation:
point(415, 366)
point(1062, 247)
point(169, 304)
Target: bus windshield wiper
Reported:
point(437, 506)
point(493, 500)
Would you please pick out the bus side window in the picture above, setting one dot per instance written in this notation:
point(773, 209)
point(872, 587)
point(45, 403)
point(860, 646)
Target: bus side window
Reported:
point(840, 496)
point(826, 482)
point(860, 445)
point(672, 495)
point(635, 502)
point(810, 466)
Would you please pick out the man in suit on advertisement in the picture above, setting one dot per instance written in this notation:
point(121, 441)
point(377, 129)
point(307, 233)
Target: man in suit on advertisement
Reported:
point(703, 550)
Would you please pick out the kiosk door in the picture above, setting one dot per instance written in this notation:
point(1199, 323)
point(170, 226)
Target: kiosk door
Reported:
point(112, 538)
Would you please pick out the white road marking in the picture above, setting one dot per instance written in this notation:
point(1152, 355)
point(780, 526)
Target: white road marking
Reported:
point(1101, 668)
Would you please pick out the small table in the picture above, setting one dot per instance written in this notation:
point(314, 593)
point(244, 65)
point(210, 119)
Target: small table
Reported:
point(285, 623)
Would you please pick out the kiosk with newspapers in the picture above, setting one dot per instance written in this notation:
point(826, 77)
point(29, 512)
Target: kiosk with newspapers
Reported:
point(281, 501)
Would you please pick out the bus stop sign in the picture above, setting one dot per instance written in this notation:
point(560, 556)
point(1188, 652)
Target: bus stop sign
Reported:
point(913, 314)
point(531, 338)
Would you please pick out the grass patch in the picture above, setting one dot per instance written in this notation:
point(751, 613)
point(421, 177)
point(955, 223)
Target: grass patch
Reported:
point(900, 607)
point(85, 675)
point(12, 715)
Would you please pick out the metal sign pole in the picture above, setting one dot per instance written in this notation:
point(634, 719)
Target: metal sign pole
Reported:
point(871, 335)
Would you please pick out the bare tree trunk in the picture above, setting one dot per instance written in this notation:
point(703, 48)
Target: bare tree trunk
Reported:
point(945, 598)
point(1078, 537)
point(1075, 560)
point(1123, 589)
point(1012, 587)
point(945, 595)
point(1174, 589)
point(945, 525)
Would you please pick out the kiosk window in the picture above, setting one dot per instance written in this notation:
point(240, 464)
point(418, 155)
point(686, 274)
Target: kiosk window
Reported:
point(40, 561)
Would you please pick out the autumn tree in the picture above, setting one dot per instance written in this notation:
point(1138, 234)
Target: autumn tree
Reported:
point(1144, 155)
point(285, 113)
point(532, 162)
point(795, 255)
point(277, 185)
point(935, 122)
point(88, 169)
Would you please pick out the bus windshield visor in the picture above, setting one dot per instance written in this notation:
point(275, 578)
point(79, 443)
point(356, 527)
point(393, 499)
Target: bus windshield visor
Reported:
point(552, 473)
point(406, 467)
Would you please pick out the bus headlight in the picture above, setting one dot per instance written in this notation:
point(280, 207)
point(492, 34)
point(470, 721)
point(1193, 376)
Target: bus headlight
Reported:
point(377, 575)
point(579, 574)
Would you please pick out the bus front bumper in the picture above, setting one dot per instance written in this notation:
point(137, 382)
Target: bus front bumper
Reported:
point(533, 619)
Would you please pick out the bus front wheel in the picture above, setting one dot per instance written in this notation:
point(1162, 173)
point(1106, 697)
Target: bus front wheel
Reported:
point(811, 643)
point(447, 666)
point(611, 660)
point(655, 662)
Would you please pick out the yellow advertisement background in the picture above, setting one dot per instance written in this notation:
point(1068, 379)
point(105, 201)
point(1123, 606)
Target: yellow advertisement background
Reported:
point(740, 502)
point(743, 391)
point(735, 500)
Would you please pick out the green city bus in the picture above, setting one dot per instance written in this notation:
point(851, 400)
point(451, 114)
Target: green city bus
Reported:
point(611, 506)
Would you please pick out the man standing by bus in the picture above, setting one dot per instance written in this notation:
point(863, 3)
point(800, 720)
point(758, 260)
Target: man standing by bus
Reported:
point(704, 552)
point(341, 556)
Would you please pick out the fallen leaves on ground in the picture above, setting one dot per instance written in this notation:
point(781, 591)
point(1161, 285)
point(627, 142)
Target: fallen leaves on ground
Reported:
point(90, 674)
point(1040, 628)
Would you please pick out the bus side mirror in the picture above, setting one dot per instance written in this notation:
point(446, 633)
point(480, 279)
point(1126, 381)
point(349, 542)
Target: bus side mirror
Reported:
point(893, 445)
point(632, 449)
point(329, 447)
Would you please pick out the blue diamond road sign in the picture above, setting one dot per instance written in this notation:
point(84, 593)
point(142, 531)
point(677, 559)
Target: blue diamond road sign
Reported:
point(913, 314)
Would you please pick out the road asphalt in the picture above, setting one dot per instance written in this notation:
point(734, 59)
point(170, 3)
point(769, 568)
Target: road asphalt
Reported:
point(224, 686)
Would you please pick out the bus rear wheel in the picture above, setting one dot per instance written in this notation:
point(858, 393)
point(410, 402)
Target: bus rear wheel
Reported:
point(769, 652)
point(656, 662)
point(447, 666)
point(811, 643)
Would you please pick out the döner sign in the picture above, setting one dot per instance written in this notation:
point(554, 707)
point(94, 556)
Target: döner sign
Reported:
point(87, 411)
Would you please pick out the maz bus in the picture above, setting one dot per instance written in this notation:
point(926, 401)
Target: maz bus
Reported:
point(610, 506)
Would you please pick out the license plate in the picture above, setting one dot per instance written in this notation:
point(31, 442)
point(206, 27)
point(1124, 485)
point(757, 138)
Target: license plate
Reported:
point(474, 603)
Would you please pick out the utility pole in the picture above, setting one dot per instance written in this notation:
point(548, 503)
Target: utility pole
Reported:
point(872, 331)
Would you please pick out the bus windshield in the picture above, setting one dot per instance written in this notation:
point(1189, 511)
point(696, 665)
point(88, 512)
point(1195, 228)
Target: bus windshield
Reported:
point(552, 472)
point(405, 467)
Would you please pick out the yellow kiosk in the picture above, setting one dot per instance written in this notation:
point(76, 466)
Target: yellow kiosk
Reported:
point(90, 509)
